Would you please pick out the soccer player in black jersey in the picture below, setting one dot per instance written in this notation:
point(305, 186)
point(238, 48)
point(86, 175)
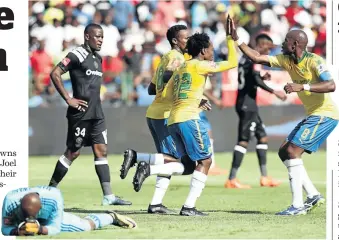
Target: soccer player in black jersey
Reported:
point(86, 120)
point(250, 123)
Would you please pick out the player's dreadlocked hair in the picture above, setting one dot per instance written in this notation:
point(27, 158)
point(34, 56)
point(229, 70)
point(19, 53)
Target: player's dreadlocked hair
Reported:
point(90, 26)
point(196, 43)
point(263, 36)
point(173, 31)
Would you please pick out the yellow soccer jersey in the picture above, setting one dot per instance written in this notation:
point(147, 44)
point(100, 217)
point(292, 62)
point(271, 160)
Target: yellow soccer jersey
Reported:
point(208, 86)
point(160, 108)
point(188, 84)
point(307, 71)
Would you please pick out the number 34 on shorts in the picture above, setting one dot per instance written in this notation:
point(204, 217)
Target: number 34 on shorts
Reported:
point(85, 133)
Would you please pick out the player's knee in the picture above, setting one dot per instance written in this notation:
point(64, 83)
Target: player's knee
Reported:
point(263, 140)
point(207, 163)
point(100, 150)
point(189, 165)
point(72, 155)
point(290, 152)
point(287, 152)
point(243, 144)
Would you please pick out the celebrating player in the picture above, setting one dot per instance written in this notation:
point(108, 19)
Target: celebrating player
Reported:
point(312, 81)
point(86, 121)
point(250, 122)
point(156, 116)
point(188, 132)
point(40, 211)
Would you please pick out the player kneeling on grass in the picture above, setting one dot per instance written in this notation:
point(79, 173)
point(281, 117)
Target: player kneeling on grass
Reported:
point(184, 124)
point(40, 211)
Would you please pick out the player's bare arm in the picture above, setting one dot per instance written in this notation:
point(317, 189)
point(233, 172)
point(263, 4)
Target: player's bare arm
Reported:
point(322, 87)
point(212, 98)
point(249, 52)
point(58, 83)
point(259, 81)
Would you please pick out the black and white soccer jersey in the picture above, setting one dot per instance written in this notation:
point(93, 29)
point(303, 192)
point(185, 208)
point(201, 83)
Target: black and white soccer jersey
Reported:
point(248, 81)
point(250, 122)
point(85, 68)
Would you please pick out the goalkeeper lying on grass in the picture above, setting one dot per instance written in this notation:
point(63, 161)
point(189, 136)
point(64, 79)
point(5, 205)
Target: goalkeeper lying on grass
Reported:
point(40, 211)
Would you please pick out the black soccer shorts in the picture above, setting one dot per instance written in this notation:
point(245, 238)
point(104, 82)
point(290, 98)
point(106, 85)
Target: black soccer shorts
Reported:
point(250, 124)
point(84, 133)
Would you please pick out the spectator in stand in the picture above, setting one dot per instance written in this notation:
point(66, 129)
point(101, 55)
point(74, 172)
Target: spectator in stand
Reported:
point(132, 25)
point(42, 64)
point(123, 15)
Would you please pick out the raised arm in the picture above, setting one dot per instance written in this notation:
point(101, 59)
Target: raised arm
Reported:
point(249, 52)
point(206, 67)
point(253, 55)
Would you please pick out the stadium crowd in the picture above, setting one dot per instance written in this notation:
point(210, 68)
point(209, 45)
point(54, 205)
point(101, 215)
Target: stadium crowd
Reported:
point(135, 38)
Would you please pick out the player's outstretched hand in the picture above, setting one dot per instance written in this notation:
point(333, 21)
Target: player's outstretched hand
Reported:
point(81, 105)
point(205, 105)
point(293, 87)
point(281, 95)
point(230, 29)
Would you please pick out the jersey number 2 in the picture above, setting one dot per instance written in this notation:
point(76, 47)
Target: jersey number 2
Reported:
point(182, 86)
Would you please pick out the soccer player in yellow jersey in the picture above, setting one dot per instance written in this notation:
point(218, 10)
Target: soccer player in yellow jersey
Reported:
point(156, 115)
point(214, 170)
point(186, 128)
point(312, 81)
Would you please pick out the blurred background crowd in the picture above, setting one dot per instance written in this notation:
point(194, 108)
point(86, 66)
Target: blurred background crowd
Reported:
point(135, 40)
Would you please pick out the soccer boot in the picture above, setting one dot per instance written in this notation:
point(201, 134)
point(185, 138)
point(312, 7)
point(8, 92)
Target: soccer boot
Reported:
point(122, 221)
point(185, 211)
point(142, 172)
point(292, 211)
point(130, 159)
point(234, 183)
point(269, 182)
point(114, 200)
point(158, 208)
point(313, 202)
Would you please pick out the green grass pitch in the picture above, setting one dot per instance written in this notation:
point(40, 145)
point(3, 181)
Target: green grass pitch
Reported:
point(233, 214)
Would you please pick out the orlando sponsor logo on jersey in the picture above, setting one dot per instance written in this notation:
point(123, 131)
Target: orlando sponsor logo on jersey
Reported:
point(90, 72)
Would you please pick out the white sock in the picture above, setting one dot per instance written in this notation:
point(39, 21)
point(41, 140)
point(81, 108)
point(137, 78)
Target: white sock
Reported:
point(161, 186)
point(212, 157)
point(168, 169)
point(100, 219)
point(151, 158)
point(198, 181)
point(295, 172)
point(308, 186)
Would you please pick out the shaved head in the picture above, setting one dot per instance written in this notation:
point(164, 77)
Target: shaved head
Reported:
point(31, 204)
point(295, 44)
point(299, 36)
